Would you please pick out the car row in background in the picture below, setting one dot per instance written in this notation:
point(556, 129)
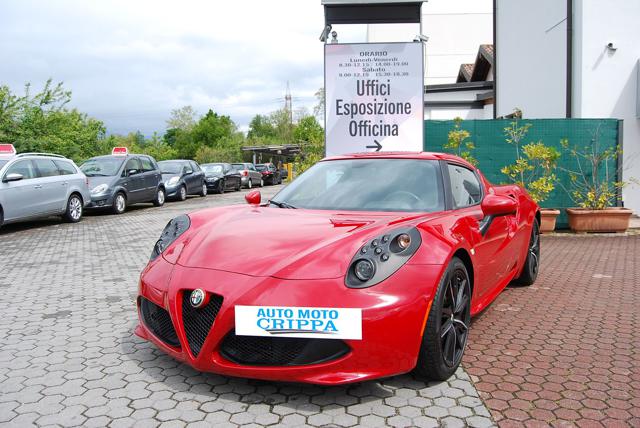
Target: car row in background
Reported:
point(34, 185)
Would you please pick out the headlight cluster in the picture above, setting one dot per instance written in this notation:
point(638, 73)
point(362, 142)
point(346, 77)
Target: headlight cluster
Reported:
point(380, 257)
point(173, 181)
point(171, 232)
point(99, 189)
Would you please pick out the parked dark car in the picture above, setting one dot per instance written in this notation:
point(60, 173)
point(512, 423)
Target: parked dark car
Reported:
point(221, 177)
point(181, 178)
point(284, 174)
point(270, 173)
point(122, 179)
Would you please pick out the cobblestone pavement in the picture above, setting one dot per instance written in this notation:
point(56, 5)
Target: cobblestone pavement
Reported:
point(68, 356)
point(565, 350)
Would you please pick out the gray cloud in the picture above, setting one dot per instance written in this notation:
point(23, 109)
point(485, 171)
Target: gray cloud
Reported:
point(129, 63)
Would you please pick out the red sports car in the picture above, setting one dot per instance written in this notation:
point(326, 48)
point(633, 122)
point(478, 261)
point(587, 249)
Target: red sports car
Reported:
point(371, 265)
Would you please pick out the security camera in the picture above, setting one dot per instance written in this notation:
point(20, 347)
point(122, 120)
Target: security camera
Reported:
point(611, 47)
point(325, 33)
point(334, 36)
point(421, 38)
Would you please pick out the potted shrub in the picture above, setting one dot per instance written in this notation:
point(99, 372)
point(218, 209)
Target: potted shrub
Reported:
point(594, 190)
point(533, 169)
point(458, 143)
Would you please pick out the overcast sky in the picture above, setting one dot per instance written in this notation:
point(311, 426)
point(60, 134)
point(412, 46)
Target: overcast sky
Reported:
point(129, 63)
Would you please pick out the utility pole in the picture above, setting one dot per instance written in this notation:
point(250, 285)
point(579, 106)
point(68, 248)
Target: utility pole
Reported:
point(287, 104)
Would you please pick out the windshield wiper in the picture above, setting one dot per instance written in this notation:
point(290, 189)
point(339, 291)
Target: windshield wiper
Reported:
point(282, 204)
point(96, 174)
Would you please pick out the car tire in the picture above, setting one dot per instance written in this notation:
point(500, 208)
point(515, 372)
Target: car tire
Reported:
point(119, 203)
point(261, 182)
point(249, 184)
point(74, 210)
point(182, 193)
point(441, 350)
point(532, 263)
point(221, 185)
point(204, 190)
point(239, 186)
point(161, 197)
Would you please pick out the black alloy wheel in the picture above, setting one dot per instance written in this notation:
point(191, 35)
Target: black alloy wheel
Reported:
point(447, 329)
point(532, 263)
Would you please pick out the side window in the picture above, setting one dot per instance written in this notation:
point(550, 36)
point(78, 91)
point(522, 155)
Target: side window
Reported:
point(24, 168)
point(65, 167)
point(465, 187)
point(186, 168)
point(252, 167)
point(132, 163)
point(46, 167)
point(147, 165)
point(195, 166)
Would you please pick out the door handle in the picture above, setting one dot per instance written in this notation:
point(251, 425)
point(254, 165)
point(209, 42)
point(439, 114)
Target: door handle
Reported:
point(37, 186)
point(64, 183)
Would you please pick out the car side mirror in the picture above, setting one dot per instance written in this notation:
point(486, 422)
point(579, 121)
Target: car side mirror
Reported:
point(253, 198)
point(496, 205)
point(132, 171)
point(12, 177)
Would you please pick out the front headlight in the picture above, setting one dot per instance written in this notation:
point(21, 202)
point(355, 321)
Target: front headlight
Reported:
point(382, 256)
point(173, 181)
point(102, 188)
point(171, 232)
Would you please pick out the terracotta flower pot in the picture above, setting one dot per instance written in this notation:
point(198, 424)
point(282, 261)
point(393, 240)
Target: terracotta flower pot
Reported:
point(548, 220)
point(608, 220)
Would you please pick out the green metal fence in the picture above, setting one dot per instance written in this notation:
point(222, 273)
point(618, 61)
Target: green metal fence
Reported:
point(493, 152)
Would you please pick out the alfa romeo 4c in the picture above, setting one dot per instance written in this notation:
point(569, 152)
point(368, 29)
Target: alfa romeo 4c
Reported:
point(370, 265)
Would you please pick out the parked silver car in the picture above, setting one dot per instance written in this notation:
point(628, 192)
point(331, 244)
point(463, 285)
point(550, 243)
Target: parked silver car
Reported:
point(36, 185)
point(249, 175)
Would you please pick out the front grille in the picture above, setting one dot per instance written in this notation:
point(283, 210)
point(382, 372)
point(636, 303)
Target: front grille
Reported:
point(280, 351)
point(198, 321)
point(159, 322)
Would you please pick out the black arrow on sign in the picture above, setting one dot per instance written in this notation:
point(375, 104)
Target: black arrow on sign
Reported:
point(378, 146)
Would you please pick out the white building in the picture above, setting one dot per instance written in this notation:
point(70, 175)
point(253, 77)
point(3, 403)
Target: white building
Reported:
point(572, 58)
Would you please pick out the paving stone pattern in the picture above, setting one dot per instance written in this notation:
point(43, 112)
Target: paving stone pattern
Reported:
point(68, 356)
point(565, 351)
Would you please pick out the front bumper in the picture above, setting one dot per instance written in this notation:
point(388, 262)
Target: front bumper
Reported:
point(393, 317)
point(213, 184)
point(171, 191)
point(100, 201)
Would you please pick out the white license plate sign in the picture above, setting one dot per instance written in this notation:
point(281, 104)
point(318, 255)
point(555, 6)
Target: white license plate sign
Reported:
point(290, 321)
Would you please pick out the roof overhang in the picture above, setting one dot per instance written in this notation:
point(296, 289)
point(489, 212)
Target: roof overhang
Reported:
point(371, 11)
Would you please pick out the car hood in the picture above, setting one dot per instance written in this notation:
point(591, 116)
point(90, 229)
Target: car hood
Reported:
point(96, 181)
point(212, 175)
point(283, 243)
point(167, 177)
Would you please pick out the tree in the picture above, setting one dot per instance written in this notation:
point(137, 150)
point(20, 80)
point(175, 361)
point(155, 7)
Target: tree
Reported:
point(261, 128)
point(318, 109)
point(458, 143)
point(182, 118)
point(310, 135)
point(212, 130)
point(41, 122)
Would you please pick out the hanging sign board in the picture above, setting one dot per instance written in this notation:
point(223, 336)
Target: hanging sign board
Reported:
point(374, 97)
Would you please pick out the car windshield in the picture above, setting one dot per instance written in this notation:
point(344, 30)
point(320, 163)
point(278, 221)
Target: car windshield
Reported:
point(103, 167)
point(238, 166)
point(212, 169)
point(261, 167)
point(367, 185)
point(170, 167)
point(3, 162)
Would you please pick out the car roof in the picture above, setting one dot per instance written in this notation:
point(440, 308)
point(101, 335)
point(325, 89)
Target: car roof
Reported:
point(176, 160)
point(402, 155)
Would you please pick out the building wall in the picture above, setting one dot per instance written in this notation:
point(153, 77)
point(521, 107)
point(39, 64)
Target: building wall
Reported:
point(605, 82)
point(456, 28)
point(531, 57)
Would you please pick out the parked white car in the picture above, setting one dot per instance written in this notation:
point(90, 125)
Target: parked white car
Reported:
point(34, 185)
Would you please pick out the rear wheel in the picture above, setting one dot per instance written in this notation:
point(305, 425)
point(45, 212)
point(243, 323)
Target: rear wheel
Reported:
point(73, 213)
point(445, 335)
point(160, 198)
point(532, 264)
point(203, 191)
point(239, 186)
point(119, 203)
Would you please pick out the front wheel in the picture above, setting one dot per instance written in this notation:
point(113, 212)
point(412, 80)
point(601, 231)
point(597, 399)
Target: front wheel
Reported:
point(249, 184)
point(221, 185)
point(119, 203)
point(160, 198)
point(261, 182)
point(203, 191)
point(73, 213)
point(182, 193)
point(445, 335)
point(532, 263)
